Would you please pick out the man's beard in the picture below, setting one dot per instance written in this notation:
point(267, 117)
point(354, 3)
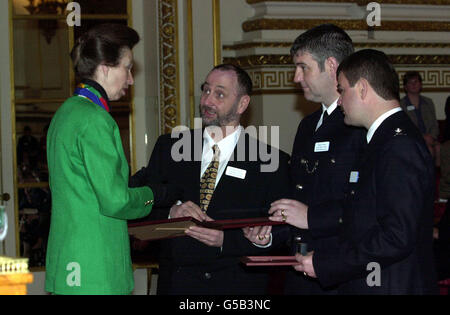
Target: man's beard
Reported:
point(220, 120)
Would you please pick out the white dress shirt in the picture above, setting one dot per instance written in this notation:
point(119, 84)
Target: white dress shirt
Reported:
point(330, 109)
point(378, 122)
point(226, 147)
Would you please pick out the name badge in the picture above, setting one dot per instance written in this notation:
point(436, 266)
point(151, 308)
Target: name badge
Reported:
point(354, 176)
point(235, 172)
point(322, 146)
point(410, 107)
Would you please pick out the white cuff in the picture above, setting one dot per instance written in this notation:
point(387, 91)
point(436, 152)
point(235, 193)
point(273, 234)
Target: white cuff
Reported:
point(267, 245)
point(176, 204)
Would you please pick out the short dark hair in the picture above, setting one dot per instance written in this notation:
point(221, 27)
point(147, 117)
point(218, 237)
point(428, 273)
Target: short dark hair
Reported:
point(102, 44)
point(409, 75)
point(374, 66)
point(322, 42)
point(244, 81)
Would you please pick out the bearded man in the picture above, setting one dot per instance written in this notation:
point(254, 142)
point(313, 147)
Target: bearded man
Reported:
point(222, 173)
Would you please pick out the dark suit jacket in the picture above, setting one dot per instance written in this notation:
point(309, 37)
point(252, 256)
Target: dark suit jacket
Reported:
point(388, 217)
point(320, 176)
point(187, 266)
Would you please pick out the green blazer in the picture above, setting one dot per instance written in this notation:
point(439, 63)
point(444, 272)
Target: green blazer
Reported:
point(88, 248)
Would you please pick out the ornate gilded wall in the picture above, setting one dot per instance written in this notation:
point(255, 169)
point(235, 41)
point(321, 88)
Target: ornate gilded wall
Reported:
point(414, 33)
point(169, 70)
point(257, 35)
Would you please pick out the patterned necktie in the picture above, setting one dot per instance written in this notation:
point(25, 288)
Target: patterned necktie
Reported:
point(208, 180)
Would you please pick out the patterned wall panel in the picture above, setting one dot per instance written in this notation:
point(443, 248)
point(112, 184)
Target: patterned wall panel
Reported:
point(169, 73)
point(279, 80)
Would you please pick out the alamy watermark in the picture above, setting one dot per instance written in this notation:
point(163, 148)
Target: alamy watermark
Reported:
point(74, 17)
point(189, 148)
point(373, 279)
point(73, 279)
point(374, 17)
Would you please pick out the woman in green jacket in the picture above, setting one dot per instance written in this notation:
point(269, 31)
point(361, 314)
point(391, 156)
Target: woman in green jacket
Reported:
point(88, 248)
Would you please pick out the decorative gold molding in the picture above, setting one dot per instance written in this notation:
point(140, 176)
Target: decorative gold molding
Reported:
point(64, 17)
point(282, 60)
point(436, 60)
point(280, 80)
point(363, 2)
point(300, 91)
point(276, 79)
point(168, 67)
point(260, 60)
point(360, 25)
point(431, 78)
point(358, 45)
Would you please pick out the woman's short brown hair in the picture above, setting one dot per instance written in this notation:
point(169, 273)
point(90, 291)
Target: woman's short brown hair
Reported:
point(102, 44)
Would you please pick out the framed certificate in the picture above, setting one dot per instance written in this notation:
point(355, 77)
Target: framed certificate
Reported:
point(269, 261)
point(153, 230)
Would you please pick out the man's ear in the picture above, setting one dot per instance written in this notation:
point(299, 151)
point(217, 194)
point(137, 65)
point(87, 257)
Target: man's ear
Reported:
point(331, 65)
point(362, 87)
point(243, 104)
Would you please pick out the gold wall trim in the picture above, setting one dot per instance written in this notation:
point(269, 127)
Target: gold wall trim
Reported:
point(436, 60)
point(303, 24)
point(168, 66)
point(260, 60)
point(281, 60)
point(299, 91)
point(358, 45)
point(276, 79)
point(363, 2)
point(436, 79)
point(280, 80)
point(64, 17)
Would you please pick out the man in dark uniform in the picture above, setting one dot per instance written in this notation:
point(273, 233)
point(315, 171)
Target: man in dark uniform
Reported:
point(385, 239)
point(324, 149)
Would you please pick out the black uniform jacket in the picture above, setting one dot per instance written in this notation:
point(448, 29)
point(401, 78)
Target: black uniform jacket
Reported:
point(387, 218)
point(321, 163)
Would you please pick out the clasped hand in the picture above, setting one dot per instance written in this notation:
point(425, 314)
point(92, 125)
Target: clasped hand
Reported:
point(210, 237)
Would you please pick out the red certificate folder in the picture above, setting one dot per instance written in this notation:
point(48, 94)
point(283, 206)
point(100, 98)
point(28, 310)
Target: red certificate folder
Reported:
point(269, 260)
point(153, 230)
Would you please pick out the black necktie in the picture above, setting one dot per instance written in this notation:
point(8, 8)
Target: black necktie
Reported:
point(325, 115)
